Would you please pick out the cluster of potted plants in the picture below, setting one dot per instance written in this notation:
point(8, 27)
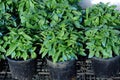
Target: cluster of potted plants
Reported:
point(63, 31)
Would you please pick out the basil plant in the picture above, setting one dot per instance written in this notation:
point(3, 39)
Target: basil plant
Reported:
point(62, 44)
point(102, 14)
point(19, 45)
point(102, 42)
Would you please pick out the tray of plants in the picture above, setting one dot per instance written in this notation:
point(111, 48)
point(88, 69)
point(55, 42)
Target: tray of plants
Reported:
point(59, 40)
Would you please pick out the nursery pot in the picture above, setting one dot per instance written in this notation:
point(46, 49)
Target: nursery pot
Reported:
point(2, 64)
point(1, 67)
point(106, 68)
point(62, 70)
point(22, 70)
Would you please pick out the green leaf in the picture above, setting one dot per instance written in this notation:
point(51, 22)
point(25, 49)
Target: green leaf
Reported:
point(82, 52)
point(41, 22)
point(105, 54)
point(70, 42)
point(53, 23)
point(55, 17)
point(61, 34)
point(13, 55)
point(73, 56)
point(44, 53)
point(97, 54)
point(3, 7)
point(64, 57)
point(2, 57)
point(77, 24)
point(55, 59)
point(116, 50)
point(87, 13)
point(26, 36)
point(31, 6)
point(33, 55)
point(104, 42)
point(23, 19)
point(24, 56)
point(18, 54)
point(91, 54)
point(11, 49)
point(2, 49)
point(108, 15)
point(28, 25)
point(87, 22)
point(9, 2)
point(97, 21)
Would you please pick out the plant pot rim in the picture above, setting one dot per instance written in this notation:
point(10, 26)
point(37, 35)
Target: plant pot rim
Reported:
point(19, 61)
point(60, 62)
point(104, 59)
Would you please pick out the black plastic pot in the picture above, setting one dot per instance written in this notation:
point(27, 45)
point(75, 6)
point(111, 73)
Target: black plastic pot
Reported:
point(22, 70)
point(106, 68)
point(62, 70)
point(1, 65)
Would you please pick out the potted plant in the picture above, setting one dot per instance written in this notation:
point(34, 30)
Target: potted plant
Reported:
point(103, 44)
point(20, 54)
point(61, 37)
point(61, 48)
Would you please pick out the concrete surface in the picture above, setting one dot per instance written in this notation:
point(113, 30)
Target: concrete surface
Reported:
point(87, 3)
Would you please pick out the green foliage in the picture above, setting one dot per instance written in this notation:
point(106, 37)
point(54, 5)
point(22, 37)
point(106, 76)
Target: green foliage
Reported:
point(38, 14)
point(29, 13)
point(19, 13)
point(101, 14)
point(53, 12)
point(101, 23)
point(2, 50)
point(62, 44)
point(61, 22)
point(9, 15)
point(103, 42)
point(19, 45)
